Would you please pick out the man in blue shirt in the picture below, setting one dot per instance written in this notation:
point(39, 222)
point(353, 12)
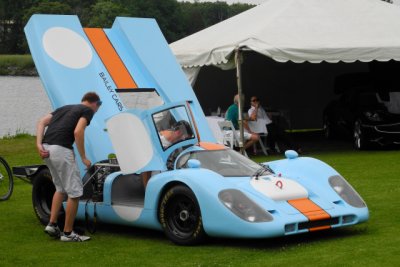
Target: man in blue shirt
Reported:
point(232, 114)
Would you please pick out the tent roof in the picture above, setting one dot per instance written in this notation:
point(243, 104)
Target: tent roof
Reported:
point(298, 31)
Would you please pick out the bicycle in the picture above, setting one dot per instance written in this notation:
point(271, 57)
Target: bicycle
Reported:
point(6, 180)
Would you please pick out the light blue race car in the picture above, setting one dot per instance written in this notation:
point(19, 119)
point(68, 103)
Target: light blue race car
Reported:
point(157, 164)
point(209, 189)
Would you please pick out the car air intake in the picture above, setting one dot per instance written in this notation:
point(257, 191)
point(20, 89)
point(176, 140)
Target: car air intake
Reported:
point(319, 223)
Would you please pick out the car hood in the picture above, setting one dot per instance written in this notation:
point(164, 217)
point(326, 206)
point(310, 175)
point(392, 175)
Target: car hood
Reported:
point(274, 192)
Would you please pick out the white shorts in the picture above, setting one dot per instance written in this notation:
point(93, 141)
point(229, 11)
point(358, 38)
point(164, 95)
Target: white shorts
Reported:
point(63, 169)
point(246, 135)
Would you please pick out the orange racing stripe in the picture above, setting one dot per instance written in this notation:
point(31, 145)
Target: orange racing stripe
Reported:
point(311, 210)
point(313, 229)
point(110, 58)
point(211, 146)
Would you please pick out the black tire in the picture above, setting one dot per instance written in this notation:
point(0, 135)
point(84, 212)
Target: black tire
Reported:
point(360, 143)
point(180, 216)
point(6, 180)
point(42, 195)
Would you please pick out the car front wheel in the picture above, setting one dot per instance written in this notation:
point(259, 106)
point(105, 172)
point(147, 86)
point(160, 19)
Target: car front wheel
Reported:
point(180, 216)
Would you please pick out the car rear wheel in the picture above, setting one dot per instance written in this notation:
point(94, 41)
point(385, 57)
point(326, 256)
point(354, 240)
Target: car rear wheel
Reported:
point(359, 137)
point(180, 216)
point(42, 195)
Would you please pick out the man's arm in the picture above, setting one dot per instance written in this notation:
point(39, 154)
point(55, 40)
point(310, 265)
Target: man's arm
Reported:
point(253, 115)
point(246, 126)
point(41, 125)
point(79, 134)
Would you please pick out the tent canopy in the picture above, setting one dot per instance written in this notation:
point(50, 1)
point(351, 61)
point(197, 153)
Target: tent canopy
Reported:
point(298, 31)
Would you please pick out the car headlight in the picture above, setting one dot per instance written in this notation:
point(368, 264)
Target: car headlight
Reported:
point(243, 207)
point(346, 191)
point(373, 116)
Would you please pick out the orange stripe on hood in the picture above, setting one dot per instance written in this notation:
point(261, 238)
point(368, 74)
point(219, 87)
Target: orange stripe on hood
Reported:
point(110, 58)
point(311, 210)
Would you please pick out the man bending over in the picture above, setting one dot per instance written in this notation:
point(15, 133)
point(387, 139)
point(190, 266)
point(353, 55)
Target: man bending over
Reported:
point(65, 126)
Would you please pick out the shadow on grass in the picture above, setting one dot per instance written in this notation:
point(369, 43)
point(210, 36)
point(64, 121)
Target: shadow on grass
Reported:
point(127, 231)
point(278, 243)
point(284, 242)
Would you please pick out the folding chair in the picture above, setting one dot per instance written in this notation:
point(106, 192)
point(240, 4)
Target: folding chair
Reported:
point(213, 123)
point(261, 142)
point(230, 137)
point(252, 124)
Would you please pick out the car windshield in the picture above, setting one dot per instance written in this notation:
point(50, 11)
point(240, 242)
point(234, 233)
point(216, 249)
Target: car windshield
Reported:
point(225, 162)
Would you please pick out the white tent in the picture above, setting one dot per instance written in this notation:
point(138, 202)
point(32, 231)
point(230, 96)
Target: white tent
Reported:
point(298, 31)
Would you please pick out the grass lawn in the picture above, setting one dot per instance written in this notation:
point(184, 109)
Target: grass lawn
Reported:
point(375, 175)
point(17, 65)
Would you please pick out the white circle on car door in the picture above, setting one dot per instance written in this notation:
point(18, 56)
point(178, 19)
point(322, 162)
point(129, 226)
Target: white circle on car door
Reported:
point(67, 47)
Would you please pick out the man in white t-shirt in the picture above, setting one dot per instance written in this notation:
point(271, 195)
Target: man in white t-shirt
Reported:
point(259, 122)
point(258, 118)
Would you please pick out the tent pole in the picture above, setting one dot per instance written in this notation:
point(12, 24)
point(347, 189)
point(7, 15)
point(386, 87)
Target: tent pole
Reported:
point(240, 104)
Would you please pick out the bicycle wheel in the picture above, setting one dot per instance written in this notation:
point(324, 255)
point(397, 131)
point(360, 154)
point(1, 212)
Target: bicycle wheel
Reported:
point(6, 180)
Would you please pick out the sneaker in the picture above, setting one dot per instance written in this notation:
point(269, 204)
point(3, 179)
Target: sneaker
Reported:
point(52, 231)
point(74, 237)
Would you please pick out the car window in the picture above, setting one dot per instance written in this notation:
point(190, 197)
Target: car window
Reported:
point(140, 99)
point(173, 126)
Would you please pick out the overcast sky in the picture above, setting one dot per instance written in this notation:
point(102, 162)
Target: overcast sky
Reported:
point(229, 1)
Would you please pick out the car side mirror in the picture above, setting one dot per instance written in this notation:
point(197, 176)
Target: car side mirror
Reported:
point(194, 163)
point(291, 154)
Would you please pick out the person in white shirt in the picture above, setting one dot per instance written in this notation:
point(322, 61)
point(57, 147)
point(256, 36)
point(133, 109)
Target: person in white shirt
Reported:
point(260, 122)
point(258, 117)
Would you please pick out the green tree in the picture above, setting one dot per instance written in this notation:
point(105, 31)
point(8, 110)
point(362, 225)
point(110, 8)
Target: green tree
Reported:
point(199, 15)
point(176, 19)
point(166, 12)
point(47, 7)
point(237, 8)
point(11, 25)
point(214, 12)
point(192, 18)
point(43, 7)
point(82, 8)
point(104, 12)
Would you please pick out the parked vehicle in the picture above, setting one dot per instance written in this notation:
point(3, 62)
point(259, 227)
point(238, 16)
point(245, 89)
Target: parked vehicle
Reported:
point(197, 188)
point(204, 189)
point(364, 114)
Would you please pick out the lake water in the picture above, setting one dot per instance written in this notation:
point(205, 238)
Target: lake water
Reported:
point(22, 102)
